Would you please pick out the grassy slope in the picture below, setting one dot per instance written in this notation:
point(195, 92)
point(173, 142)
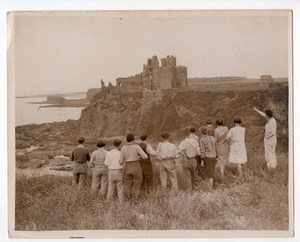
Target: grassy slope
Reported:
point(258, 202)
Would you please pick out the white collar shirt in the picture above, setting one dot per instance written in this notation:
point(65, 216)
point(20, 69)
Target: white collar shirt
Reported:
point(166, 150)
point(112, 159)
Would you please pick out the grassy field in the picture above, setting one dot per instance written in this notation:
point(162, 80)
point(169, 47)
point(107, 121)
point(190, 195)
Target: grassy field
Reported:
point(258, 202)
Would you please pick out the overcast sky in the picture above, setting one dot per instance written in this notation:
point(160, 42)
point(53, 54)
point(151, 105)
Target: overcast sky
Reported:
point(59, 52)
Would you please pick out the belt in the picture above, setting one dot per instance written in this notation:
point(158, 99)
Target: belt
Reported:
point(145, 161)
point(168, 159)
point(131, 161)
point(116, 169)
point(191, 157)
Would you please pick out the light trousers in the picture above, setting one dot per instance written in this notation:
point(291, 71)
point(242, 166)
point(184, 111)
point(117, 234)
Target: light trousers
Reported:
point(270, 156)
point(168, 169)
point(100, 180)
point(115, 180)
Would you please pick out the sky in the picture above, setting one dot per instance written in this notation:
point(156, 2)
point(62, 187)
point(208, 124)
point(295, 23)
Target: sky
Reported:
point(60, 52)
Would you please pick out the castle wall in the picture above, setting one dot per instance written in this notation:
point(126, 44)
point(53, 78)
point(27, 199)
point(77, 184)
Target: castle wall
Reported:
point(166, 77)
point(155, 77)
point(180, 77)
point(130, 84)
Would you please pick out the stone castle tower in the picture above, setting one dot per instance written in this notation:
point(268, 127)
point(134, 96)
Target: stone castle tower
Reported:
point(155, 77)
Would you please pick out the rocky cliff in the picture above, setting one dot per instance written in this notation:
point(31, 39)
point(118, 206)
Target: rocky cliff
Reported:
point(111, 113)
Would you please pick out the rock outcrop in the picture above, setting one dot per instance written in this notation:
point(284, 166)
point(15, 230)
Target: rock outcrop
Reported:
point(115, 113)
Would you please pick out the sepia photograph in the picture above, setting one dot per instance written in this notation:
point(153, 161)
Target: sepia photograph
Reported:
point(147, 123)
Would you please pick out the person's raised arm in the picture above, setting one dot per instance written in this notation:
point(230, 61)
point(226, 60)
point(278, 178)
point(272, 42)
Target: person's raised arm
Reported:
point(259, 112)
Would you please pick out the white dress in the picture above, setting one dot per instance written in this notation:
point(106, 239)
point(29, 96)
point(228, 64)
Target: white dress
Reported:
point(237, 154)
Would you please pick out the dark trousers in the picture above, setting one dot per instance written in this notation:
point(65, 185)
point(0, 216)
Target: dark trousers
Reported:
point(79, 179)
point(198, 170)
point(133, 178)
point(147, 176)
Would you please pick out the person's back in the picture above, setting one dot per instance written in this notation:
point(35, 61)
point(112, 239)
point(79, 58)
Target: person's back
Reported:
point(221, 134)
point(208, 146)
point(80, 154)
point(166, 150)
point(236, 139)
point(237, 134)
point(189, 148)
point(132, 152)
point(98, 157)
point(113, 159)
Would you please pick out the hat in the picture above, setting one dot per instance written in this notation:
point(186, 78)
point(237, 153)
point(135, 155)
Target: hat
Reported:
point(101, 143)
point(165, 135)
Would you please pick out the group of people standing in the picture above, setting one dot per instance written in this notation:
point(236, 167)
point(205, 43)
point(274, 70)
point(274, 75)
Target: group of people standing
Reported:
point(125, 169)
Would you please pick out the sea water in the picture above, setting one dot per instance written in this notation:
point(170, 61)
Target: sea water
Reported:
point(27, 113)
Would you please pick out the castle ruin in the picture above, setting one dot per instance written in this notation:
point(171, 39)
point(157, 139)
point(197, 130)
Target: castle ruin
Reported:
point(155, 77)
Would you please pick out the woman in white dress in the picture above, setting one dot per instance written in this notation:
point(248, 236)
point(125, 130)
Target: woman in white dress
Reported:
point(270, 139)
point(222, 145)
point(236, 139)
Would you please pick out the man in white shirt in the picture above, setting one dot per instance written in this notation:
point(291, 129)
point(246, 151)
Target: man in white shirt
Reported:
point(166, 153)
point(189, 150)
point(115, 172)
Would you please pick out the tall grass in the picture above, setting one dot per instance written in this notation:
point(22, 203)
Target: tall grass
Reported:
point(258, 202)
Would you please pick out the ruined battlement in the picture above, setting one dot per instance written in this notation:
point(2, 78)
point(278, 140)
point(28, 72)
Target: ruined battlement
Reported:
point(155, 76)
